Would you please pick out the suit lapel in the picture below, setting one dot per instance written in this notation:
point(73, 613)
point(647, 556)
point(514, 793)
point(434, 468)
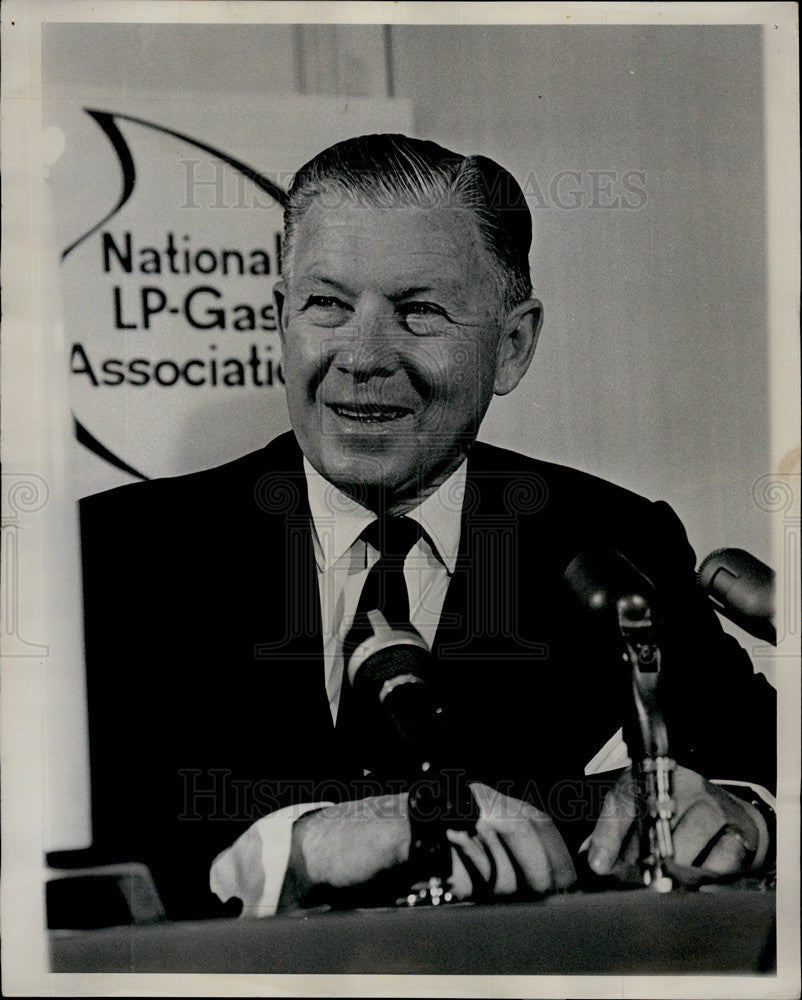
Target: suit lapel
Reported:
point(289, 636)
point(491, 605)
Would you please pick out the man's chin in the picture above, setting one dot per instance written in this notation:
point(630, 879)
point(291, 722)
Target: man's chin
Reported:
point(365, 479)
point(370, 477)
point(382, 477)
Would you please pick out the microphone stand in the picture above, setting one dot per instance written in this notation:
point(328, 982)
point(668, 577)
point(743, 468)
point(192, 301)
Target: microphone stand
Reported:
point(646, 737)
point(390, 668)
point(429, 851)
point(606, 583)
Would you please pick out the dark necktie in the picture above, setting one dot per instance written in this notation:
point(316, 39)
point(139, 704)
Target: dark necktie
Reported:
point(384, 590)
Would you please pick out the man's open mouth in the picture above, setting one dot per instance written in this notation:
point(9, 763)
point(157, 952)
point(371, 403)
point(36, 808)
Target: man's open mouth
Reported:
point(370, 413)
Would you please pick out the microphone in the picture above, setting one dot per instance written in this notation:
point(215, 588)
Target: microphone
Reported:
point(599, 577)
point(622, 599)
point(742, 588)
point(609, 585)
point(389, 669)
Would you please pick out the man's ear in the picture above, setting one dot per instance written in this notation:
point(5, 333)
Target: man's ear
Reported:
point(520, 332)
point(280, 299)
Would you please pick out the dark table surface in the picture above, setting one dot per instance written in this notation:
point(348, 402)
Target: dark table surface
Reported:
point(727, 930)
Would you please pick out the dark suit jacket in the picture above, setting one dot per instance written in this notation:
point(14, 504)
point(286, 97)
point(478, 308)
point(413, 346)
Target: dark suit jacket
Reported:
point(205, 665)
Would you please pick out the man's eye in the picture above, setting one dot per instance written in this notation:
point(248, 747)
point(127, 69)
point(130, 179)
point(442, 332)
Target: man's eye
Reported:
point(324, 302)
point(326, 310)
point(423, 318)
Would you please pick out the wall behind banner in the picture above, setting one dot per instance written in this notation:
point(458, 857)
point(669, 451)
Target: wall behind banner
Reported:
point(640, 150)
point(653, 364)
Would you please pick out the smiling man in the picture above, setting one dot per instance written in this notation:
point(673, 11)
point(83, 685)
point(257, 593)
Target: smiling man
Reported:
point(406, 304)
point(399, 318)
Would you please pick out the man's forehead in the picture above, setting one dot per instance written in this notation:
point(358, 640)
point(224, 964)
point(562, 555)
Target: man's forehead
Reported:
point(416, 246)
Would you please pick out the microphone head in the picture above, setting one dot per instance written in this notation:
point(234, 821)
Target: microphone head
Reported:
point(742, 588)
point(599, 578)
point(388, 673)
point(385, 645)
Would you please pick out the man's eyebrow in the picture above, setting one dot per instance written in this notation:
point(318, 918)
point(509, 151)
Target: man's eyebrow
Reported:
point(396, 297)
point(320, 279)
point(407, 293)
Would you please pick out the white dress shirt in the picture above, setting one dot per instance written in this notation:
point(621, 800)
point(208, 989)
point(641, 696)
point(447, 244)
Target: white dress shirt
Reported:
point(344, 560)
point(253, 868)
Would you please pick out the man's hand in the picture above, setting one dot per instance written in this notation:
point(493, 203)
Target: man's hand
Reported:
point(713, 832)
point(348, 844)
point(515, 848)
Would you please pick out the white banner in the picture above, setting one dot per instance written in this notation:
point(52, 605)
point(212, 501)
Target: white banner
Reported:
point(167, 231)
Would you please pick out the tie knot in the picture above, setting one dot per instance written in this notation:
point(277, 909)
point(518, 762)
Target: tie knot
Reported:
point(393, 536)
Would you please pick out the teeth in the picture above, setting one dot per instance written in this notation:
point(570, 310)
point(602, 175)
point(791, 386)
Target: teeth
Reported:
point(370, 416)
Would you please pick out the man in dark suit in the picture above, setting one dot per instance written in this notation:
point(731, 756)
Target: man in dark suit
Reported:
point(217, 636)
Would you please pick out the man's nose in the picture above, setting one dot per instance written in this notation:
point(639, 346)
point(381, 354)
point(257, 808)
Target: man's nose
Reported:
point(369, 349)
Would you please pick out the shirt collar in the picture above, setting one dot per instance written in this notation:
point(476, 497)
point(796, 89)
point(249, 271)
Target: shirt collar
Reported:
point(339, 520)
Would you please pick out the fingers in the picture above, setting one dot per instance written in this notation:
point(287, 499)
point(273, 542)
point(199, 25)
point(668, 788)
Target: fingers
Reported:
point(503, 878)
point(515, 848)
point(714, 833)
point(534, 847)
point(475, 872)
point(729, 854)
point(707, 837)
point(613, 827)
point(701, 822)
point(527, 855)
point(494, 864)
point(562, 867)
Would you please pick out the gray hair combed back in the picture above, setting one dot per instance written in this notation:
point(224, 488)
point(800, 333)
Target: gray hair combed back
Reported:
point(385, 171)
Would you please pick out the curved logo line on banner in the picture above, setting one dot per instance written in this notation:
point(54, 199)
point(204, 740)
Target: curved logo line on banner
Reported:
point(88, 440)
point(106, 121)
